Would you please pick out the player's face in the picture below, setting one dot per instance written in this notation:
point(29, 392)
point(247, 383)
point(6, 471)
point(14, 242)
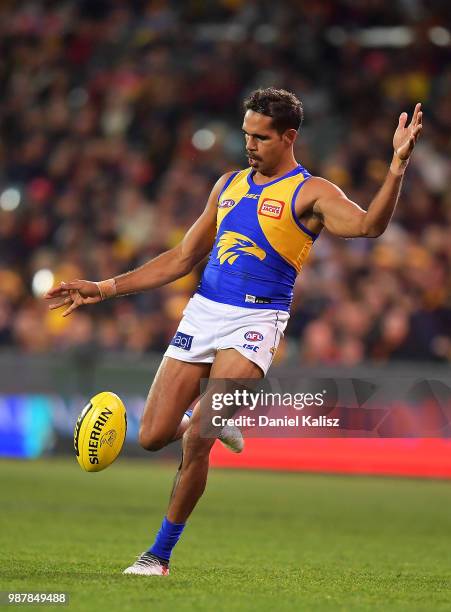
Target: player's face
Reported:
point(265, 146)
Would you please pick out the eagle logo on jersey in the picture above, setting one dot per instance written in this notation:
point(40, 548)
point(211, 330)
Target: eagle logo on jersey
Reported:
point(232, 244)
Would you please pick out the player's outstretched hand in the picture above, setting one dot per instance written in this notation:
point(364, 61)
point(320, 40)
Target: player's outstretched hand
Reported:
point(406, 135)
point(75, 294)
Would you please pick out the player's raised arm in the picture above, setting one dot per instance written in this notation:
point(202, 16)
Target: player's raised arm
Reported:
point(163, 269)
point(345, 218)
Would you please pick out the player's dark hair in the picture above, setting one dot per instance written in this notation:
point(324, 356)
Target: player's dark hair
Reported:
point(282, 106)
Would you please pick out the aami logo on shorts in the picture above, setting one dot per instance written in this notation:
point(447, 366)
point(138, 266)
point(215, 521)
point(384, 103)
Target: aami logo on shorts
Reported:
point(226, 204)
point(253, 336)
point(182, 341)
point(271, 208)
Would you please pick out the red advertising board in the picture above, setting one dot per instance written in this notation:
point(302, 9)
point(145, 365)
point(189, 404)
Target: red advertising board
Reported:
point(423, 457)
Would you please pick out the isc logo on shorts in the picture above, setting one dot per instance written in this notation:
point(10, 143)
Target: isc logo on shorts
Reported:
point(182, 341)
point(253, 336)
point(271, 208)
point(251, 347)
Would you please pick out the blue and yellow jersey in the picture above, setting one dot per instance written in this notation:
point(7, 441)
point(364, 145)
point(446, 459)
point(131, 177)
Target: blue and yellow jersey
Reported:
point(260, 244)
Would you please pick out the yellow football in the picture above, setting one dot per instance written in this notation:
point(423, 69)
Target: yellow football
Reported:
point(100, 432)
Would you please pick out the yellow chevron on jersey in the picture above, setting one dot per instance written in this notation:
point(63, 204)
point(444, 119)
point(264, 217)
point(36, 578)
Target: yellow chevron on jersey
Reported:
point(231, 195)
point(260, 239)
point(278, 223)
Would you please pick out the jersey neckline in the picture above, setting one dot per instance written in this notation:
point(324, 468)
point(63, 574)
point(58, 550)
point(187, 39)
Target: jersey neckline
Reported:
point(293, 172)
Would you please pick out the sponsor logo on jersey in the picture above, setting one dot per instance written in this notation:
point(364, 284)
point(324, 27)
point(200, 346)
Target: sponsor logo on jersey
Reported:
point(253, 336)
point(232, 244)
point(226, 204)
point(182, 341)
point(252, 196)
point(271, 208)
point(255, 299)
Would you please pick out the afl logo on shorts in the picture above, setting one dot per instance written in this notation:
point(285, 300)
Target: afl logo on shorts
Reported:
point(253, 336)
point(226, 204)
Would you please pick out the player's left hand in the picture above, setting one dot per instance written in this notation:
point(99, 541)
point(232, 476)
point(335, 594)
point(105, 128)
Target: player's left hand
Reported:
point(406, 135)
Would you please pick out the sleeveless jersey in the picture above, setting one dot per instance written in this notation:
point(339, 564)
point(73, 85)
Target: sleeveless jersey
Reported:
point(260, 244)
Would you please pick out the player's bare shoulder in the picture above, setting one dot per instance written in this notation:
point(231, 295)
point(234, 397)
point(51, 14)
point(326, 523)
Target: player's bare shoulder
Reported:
point(314, 189)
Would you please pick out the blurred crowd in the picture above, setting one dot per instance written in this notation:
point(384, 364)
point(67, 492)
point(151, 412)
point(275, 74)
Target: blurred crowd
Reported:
point(117, 117)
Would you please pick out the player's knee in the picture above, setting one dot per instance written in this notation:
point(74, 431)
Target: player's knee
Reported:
point(153, 439)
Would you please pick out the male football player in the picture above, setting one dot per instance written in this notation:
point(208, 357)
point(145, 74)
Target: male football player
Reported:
point(259, 225)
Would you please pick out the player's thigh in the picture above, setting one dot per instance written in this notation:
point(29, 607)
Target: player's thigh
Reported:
point(174, 389)
point(230, 363)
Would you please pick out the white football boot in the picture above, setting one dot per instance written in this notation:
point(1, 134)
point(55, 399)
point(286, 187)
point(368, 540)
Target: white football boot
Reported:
point(232, 438)
point(147, 565)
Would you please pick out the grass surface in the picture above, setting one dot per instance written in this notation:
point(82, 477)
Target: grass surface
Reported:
point(257, 541)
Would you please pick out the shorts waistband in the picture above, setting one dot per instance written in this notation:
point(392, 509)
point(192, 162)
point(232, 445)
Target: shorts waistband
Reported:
point(252, 303)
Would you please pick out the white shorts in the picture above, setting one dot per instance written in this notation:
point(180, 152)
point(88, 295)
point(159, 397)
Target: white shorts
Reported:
point(208, 326)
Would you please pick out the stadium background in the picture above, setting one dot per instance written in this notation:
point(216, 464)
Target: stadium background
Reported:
point(116, 117)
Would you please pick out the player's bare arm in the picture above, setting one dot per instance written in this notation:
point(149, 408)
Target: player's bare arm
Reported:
point(163, 269)
point(330, 207)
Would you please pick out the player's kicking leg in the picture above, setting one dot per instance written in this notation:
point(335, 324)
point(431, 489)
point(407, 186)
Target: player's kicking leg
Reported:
point(192, 476)
point(167, 415)
point(174, 389)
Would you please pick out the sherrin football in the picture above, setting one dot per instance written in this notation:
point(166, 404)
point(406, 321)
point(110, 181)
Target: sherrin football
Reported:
point(100, 432)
